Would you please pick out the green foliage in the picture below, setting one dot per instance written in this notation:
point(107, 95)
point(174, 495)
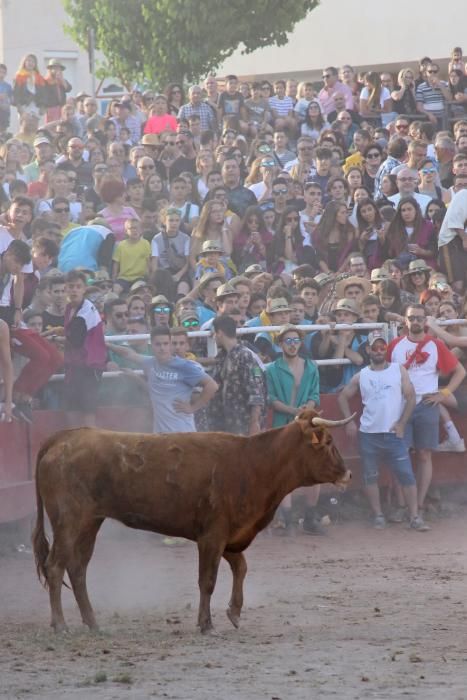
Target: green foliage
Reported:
point(159, 41)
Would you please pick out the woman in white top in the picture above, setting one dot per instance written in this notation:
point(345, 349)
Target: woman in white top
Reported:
point(60, 186)
point(374, 99)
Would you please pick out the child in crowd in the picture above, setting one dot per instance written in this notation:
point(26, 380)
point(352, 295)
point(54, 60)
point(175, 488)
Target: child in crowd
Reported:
point(210, 260)
point(131, 257)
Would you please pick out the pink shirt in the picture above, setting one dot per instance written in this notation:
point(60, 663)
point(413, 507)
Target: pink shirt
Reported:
point(326, 97)
point(159, 123)
point(117, 223)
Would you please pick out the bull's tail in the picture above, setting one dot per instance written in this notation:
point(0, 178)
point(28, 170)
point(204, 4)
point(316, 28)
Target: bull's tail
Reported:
point(40, 543)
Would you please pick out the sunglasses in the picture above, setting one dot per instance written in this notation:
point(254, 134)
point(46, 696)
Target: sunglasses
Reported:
point(402, 126)
point(373, 155)
point(420, 319)
point(264, 149)
point(61, 210)
point(161, 310)
point(283, 190)
point(292, 341)
point(428, 170)
point(190, 324)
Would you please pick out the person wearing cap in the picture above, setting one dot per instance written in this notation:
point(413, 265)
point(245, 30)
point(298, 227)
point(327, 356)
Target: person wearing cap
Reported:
point(388, 399)
point(143, 289)
point(206, 295)
point(268, 170)
point(226, 299)
point(126, 119)
point(353, 288)
point(210, 260)
point(239, 405)
point(161, 311)
point(425, 358)
point(378, 275)
point(293, 385)
point(43, 152)
point(277, 314)
point(56, 88)
point(171, 381)
point(342, 344)
point(160, 119)
point(417, 277)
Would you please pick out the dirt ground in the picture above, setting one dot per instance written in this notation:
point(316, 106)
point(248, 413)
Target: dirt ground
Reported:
point(358, 614)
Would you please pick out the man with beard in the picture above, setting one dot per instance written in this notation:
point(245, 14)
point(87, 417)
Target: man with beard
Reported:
point(384, 387)
point(293, 385)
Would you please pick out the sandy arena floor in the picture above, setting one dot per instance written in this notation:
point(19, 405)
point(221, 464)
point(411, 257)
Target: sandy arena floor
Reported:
point(358, 614)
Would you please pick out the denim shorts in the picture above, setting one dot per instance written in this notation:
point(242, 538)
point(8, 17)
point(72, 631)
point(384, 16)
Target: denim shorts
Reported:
point(388, 449)
point(422, 429)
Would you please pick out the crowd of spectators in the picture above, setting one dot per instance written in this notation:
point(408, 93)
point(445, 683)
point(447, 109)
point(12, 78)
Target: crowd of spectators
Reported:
point(225, 205)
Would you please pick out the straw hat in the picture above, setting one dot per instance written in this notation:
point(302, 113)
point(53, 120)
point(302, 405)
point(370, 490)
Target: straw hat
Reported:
point(353, 281)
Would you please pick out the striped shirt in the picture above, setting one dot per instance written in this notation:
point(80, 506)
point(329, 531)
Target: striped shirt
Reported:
point(281, 107)
point(432, 98)
point(203, 110)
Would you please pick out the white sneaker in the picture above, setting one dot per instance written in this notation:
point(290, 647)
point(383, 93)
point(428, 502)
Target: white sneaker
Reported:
point(449, 446)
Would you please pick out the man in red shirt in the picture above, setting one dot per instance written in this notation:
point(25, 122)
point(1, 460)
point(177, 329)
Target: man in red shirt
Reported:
point(424, 357)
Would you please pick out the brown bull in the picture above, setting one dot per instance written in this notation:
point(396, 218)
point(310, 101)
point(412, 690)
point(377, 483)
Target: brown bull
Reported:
point(216, 489)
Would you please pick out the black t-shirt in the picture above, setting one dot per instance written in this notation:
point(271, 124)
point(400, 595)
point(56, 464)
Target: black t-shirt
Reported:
point(52, 320)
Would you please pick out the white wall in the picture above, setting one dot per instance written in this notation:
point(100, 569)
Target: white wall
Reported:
point(362, 33)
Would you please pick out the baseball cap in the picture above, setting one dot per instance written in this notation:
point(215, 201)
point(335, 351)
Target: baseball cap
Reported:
point(379, 274)
point(39, 140)
point(376, 335)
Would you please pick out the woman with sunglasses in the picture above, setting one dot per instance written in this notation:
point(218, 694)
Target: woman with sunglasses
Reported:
point(428, 174)
point(60, 185)
point(175, 98)
point(403, 96)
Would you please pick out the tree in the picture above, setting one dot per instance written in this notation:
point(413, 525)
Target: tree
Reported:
point(160, 41)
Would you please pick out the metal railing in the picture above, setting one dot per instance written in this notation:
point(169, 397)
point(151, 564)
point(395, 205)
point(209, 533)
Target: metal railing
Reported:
point(390, 329)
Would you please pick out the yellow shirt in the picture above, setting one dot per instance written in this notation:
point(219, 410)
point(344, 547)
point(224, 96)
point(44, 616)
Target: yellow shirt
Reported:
point(133, 259)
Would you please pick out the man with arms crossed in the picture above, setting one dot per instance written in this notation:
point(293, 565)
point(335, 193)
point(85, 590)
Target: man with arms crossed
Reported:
point(388, 399)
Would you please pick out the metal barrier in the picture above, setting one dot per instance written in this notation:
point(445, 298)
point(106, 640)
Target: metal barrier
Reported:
point(390, 329)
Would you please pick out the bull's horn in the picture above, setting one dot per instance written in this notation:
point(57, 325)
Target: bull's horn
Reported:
point(317, 420)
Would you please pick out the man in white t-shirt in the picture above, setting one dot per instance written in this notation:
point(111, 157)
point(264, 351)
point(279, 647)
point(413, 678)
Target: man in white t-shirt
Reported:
point(452, 242)
point(388, 401)
point(425, 358)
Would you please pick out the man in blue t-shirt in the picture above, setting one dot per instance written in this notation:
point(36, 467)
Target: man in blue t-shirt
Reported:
point(171, 382)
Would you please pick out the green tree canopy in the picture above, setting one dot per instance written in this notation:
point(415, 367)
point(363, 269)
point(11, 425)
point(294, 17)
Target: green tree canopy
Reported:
point(166, 40)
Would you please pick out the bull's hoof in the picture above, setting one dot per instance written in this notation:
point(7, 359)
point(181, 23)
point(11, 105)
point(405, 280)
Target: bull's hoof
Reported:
point(205, 627)
point(234, 617)
point(60, 627)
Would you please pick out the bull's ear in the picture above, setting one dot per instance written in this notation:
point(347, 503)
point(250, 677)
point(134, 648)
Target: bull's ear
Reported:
point(309, 430)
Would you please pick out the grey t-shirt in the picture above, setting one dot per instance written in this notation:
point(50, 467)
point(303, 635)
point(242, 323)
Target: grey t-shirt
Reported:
point(166, 383)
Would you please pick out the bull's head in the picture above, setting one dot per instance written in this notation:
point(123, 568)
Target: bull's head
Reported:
point(323, 461)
